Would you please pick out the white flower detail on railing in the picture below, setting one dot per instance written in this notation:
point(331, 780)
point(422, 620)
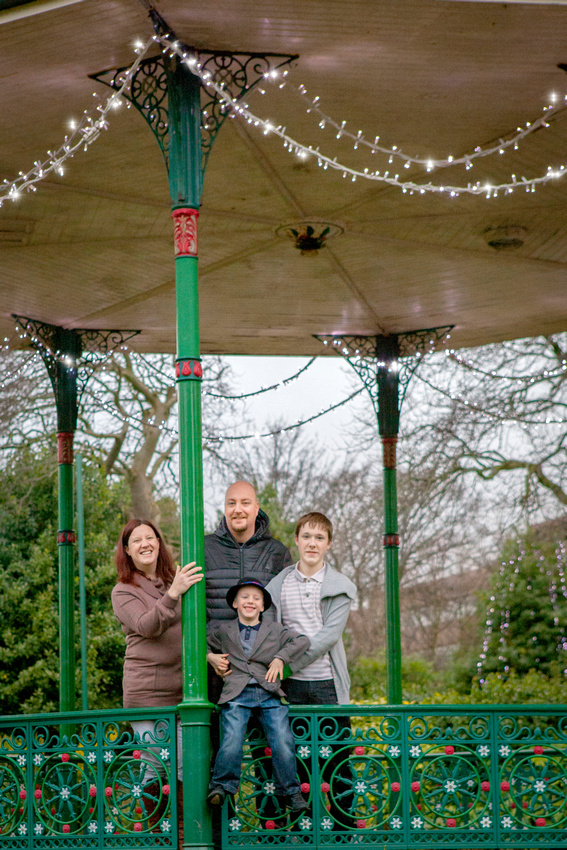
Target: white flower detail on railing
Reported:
point(326, 823)
point(108, 756)
point(504, 750)
point(91, 757)
point(38, 759)
point(136, 790)
point(38, 828)
point(539, 786)
point(108, 826)
point(65, 792)
point(415, 751)
point(22, 829)
point(165, 825)
point(305, 823)
point(21, 760)
point(394, 751)
point(93, 826)
point(416, 823)
point(483, 750)
point(507, 822)
point(235, 824)
point(303, 752)
point(486, 822)
point(450, 786)
point(396, 823)
point(164, 754)
point(325, 752)
point(269, 787)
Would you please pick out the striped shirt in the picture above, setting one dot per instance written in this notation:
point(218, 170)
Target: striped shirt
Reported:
point(301, 611)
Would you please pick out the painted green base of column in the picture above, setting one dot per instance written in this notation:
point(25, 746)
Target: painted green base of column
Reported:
point(195, 725)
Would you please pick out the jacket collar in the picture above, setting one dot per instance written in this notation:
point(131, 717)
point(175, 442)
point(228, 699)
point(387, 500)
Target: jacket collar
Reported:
point(261, 531)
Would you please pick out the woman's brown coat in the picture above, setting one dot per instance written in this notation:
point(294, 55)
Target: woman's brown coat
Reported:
point(151, 621)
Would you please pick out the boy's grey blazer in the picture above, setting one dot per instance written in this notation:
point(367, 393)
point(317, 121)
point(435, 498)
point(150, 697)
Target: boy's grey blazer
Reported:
point(272, 640)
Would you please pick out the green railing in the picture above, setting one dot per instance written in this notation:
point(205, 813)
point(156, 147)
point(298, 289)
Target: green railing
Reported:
point(408, 777)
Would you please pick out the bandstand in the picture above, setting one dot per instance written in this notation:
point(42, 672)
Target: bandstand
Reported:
point(361, 179)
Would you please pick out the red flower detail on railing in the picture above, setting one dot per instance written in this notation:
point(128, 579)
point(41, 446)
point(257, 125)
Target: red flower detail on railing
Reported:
point(449, 750)
point(361, 824)
point(267, 751)
point(23, 794)
point(137, 827)
point(504, 786)
point(108, 791)
point(137, 754)
point(92, 791)
point(198, 370)
point(270, 824)
point(540, 822)
point(451, 823)
point(359, 751)
point(37, 793)
point(305, 787)
point(325, 787)
point(185, 232)
point(485, 786)
point(186, 368)
point(165, 790)
point(64, 756)
point(66, 827)
point(395, 786)
point(538, 750)
point(415, 787)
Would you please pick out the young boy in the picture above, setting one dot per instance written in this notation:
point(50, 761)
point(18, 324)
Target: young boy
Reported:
point(313, 598)
point(256, 653)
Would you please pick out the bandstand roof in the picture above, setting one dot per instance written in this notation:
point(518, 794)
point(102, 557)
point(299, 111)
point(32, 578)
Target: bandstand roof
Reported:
point(94, 249)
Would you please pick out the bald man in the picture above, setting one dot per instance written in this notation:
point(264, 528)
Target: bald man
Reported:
point(241, 547)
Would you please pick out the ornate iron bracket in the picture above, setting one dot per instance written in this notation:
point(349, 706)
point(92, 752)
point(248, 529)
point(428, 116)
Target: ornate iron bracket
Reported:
point(238, 73)
point(70, 356)
point(386, 361)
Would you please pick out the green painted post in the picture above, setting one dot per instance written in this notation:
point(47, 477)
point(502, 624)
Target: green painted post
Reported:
point(185, 184)
point(64, 378)
point(82, 589)
point(387, 355)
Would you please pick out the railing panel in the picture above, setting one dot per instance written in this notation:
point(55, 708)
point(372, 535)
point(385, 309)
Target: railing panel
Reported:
point(378, 776)
point(86, 780)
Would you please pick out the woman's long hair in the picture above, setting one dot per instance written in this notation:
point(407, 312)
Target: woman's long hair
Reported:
point(124, 563)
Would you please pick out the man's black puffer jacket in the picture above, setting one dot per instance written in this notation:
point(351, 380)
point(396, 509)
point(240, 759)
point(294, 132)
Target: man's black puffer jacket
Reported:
point(227, 561)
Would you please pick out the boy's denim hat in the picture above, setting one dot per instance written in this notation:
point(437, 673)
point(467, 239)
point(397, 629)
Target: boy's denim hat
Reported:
point(248, 582)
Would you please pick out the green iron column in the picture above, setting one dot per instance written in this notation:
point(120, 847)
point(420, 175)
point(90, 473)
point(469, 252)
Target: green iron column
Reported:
point(64, 351)
point(185, 183)
point(387, 379)
point(385, 364)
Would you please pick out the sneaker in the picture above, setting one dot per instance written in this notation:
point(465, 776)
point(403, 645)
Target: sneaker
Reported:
point(297, 802)
point(216, 797)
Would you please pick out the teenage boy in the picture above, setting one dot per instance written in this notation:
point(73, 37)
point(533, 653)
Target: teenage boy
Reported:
point(257, 652)
point(314, 599)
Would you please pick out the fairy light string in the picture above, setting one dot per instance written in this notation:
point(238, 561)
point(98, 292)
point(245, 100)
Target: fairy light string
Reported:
point(429, 163)
point(90, 128)
point(87, 131)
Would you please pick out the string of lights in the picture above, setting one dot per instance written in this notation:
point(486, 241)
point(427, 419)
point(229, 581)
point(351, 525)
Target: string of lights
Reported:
point(394, 151)
point(90, 128)
point(488, 189)
point(525, 379)
point(487, 414)
point(240, 396)
point(139, 424)
point(84, 133)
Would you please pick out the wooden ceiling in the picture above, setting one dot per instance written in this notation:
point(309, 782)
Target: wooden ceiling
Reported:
point(94, 248)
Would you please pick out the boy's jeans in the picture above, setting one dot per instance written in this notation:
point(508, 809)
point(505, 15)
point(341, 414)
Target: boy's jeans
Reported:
point(275, 722)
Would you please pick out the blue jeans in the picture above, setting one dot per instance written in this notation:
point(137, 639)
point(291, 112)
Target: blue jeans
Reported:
point(275, 722)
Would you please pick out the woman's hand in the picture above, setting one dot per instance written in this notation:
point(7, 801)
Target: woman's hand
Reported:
point(219, 663)
point(275, 670)
point(184, 578)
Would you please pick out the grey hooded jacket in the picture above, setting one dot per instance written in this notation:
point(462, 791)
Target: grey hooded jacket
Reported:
point(337, 595)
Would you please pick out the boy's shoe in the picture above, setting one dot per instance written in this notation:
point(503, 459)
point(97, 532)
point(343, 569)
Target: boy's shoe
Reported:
point(297, 802)
point(216, 797)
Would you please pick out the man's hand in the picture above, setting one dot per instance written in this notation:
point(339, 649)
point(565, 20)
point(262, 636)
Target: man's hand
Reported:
point(219, 663)
point(275, 670)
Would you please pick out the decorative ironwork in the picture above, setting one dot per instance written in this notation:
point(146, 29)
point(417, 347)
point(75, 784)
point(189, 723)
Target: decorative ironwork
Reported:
point(408, 777)
point(74, 351)
point(185, 232)
point(188, 370)
point(309, 236)
point(398, 354)
point(85, 780)
point(237, 72)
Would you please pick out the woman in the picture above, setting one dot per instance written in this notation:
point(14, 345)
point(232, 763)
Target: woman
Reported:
point(147, 602)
